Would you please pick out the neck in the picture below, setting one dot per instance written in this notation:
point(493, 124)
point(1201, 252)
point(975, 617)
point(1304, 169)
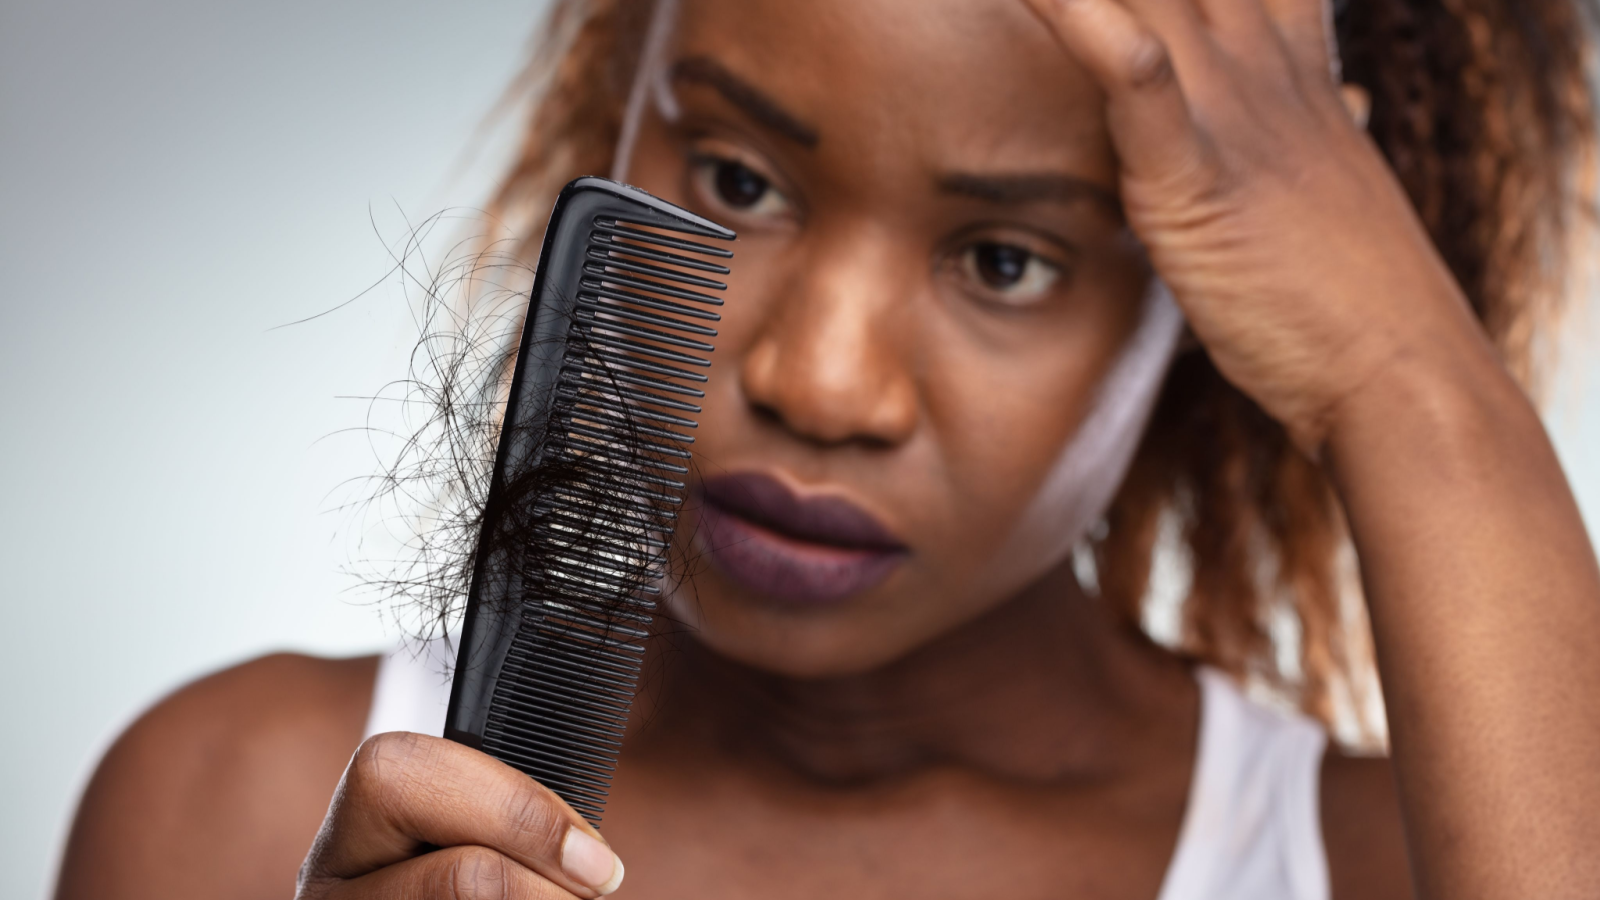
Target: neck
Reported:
point(1048, 685)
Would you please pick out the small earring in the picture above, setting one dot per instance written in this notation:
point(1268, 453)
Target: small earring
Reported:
point(1357, 102)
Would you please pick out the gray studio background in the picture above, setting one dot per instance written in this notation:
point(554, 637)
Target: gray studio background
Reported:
point(176, 178)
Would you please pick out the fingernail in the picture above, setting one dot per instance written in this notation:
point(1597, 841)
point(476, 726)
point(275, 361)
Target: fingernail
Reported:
point(590, 862)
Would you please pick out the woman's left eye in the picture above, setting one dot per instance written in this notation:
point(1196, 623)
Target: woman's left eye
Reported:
point(1014, 274)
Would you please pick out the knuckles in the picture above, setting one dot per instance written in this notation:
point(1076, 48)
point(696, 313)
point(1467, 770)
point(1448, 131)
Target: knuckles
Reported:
point(393, 772)
point(1147, 65)
point(386, 765)
point(401, 776)
point(535, 813)
point(474, 873)
point(393, 748)
point(477, 873)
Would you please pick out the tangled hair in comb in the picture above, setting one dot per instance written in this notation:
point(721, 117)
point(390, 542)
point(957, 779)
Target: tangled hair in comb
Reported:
point(437, 492)
point(438, 458)
point(1484, 110)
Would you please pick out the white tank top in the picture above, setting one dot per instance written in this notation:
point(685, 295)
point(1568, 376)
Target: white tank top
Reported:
point(1252, 829)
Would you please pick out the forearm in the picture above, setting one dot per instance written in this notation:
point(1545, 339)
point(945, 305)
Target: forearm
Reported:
point(1485, 603)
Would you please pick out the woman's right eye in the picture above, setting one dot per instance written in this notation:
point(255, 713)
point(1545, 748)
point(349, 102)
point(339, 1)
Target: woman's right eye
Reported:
point(738, 187)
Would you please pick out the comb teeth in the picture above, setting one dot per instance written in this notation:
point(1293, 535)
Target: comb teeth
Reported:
point(611, 228)
point(625, 395)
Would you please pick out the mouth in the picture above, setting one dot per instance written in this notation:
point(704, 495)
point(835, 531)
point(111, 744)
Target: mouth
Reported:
point(786, 546)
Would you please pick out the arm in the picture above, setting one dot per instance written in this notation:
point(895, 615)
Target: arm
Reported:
point(1307, 276)
point(1485, 604)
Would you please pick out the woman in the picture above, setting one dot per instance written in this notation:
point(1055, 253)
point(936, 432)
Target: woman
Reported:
point(947, 361)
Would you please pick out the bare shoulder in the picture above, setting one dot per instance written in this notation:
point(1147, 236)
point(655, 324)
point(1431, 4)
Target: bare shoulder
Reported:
point(218, 790)
point(1362, 830)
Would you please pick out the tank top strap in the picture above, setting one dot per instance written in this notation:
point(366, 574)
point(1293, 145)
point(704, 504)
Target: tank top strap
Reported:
point(1253, 829)
point(412, 689)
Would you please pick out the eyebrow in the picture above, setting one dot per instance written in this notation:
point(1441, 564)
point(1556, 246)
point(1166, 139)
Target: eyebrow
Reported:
point(1028, 188)
point(741, 93)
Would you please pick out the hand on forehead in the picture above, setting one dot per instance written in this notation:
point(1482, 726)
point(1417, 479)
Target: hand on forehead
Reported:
point(1189, 26)
point(943, 73)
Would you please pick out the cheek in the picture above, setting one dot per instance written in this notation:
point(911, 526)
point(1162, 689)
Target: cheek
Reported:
point(1003, 410)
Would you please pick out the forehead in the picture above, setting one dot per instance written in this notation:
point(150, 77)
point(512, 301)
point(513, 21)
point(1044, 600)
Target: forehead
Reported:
point(953, 84)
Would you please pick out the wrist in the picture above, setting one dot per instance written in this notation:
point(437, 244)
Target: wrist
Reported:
point(1437, 400)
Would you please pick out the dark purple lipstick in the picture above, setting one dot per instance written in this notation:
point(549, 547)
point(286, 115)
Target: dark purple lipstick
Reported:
point(788, 546)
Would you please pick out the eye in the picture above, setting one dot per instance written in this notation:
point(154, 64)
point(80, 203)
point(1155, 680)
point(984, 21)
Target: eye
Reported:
point(738, 187)
point(1015, 274)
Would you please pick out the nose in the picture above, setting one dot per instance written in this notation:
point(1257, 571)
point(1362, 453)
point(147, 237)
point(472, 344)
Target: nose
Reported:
point(830, 362)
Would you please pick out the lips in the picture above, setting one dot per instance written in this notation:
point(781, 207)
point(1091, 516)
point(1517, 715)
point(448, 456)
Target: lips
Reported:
point(791, 547)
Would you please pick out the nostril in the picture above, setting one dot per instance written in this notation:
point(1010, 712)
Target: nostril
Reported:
point(818, 433)
point(766, 414)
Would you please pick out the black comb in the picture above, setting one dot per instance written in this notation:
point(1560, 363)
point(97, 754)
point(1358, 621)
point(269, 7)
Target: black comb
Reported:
point(586, 485)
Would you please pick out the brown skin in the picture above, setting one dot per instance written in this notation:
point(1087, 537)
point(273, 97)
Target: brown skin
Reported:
point(218, 791)
point(976, 725)
point(893, 784)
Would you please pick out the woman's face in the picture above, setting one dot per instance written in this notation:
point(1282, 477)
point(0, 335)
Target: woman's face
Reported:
point(930, 278)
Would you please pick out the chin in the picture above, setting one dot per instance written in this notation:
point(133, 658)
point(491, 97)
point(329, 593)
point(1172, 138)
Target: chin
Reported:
point(805, 641)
